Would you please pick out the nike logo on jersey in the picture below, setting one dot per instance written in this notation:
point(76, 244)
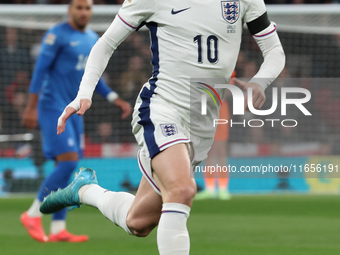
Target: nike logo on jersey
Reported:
point(80, 178)
point(173, 12)
point(74, 44)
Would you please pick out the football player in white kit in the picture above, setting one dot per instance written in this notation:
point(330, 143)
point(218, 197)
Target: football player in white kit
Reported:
point(189, 39)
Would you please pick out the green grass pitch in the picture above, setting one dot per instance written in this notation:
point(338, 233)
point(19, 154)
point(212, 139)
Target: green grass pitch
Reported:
point(264, 225)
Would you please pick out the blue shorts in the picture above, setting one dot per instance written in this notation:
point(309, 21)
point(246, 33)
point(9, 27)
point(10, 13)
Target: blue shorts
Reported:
point(72, 140)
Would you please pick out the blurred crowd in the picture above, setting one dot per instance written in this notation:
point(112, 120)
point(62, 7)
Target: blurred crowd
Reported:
point(308, 56)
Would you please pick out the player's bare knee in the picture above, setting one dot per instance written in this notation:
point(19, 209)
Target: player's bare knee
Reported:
point(139, 226)
point(139, 232)
point(183, 194)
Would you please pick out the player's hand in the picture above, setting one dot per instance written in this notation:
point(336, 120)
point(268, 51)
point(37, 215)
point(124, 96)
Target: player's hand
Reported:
point(30, 118)
point(124, 106)
point(79, 106)
point(258, 94)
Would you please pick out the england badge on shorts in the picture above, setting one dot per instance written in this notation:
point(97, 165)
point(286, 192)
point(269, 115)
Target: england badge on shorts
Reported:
point(230, 11)
point(169, 129)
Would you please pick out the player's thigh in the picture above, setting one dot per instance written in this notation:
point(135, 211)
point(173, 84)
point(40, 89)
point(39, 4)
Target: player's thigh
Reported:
point(53, 144)
point(172, 172)
point(145, 210)
point(158, 126)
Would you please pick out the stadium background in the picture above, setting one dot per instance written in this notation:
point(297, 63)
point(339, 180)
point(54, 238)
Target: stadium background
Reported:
point(310, 37)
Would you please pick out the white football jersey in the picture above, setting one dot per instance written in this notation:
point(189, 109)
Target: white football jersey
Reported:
point(191, 39)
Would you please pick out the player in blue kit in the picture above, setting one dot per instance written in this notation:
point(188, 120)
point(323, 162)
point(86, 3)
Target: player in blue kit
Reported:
point(55, 82)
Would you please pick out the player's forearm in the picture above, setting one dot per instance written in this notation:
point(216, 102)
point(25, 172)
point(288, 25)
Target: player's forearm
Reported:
point(271, 67)
point(99, 57)
point(274, 58)
point(33, 101)
point(95, 66)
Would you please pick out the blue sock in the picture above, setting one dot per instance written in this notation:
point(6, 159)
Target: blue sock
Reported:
point(59, 178)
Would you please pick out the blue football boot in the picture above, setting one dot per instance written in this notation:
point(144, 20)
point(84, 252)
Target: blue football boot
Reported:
point(68, 197)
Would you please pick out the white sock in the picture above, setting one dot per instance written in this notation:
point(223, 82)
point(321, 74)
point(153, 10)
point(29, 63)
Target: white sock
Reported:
point(172, 232)
point(113, 205)
point(57, 226)
point(34, 211)
point(90, 194)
